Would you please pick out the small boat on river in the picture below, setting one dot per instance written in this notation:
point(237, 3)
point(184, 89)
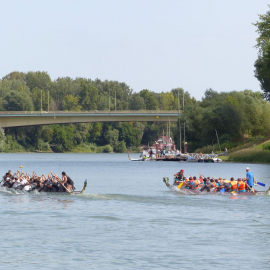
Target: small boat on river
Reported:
point(179, 187)
point(142, 158)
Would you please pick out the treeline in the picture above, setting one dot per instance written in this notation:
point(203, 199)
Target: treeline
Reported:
point(232, 116)
point(35, 91)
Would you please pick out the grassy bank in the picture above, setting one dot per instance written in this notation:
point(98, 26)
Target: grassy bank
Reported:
point(252, 155)
point(254, 150)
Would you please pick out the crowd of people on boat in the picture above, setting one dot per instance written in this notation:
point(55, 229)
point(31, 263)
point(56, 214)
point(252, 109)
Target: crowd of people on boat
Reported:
point(24, 181)
point(216, 184)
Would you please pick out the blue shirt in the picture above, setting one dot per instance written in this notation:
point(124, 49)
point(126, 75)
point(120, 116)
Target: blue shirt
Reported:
point(250, 176)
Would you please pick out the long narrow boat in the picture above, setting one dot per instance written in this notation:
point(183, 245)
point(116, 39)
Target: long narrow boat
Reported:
point(35, 191)
point(183, 190)
point(138, 159)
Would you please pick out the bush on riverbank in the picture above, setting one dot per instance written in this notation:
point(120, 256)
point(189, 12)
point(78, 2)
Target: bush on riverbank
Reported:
point(264, 146)
point(250, 155)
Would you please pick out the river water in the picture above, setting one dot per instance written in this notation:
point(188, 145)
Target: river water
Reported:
point(129, 219)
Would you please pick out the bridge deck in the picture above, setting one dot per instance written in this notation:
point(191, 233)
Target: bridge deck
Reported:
point(19, 118)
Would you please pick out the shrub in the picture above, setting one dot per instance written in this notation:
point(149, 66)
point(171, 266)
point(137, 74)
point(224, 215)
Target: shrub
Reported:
point(120, 147)
point(107, 149)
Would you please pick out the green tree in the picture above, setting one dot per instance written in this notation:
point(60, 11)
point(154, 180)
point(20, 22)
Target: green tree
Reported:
point(62, 138)
point(137, 102)
point(262, 64)
point(167, 101)
point(120, 147)
point(17, 101)
point(70, 103)
point(36, 97)
point(149, 99)
point(111, 136)
point(88, 97)
point(15, 75)
point(37, 79)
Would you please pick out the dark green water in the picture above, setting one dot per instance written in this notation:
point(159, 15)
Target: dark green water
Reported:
point(128, 218)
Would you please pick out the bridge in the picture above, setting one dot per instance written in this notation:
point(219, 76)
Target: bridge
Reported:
point(27, 118)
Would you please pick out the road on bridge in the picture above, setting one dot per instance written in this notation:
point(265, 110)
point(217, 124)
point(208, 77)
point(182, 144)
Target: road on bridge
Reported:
point(26, 118)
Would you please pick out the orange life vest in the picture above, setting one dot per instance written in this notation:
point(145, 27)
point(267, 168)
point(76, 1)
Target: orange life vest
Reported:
point(233, 185)
point(241, 185)
point(197, 184)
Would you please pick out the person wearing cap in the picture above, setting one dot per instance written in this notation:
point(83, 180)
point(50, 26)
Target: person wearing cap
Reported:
point(250, 178)
point(179, 176)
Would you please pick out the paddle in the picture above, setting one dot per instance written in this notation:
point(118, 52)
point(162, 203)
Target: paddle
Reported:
point(180, 185)
point(63, 185)
point(251, 188)
point(222, 190)
point(261, 184)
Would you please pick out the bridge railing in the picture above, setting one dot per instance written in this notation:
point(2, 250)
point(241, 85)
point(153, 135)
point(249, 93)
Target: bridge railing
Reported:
point(156, 112)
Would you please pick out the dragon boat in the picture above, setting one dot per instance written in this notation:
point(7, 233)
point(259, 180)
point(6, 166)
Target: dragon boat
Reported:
point(141, 158)
point(179, 187)
point(41, 191)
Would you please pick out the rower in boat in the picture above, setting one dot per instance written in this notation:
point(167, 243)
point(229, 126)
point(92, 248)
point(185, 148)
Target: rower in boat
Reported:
point(241, 186)
point(52, 183)
point(66, 180)
point(178, 177)
point(233, 184)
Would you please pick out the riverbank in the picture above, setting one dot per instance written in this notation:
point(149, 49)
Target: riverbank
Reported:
point(253, 151)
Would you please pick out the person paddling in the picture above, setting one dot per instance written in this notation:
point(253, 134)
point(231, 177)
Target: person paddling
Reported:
point(233, 184)
point(241, 186)
point(66, 180)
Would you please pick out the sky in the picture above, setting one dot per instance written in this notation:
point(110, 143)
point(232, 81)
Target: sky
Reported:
point(148, 44)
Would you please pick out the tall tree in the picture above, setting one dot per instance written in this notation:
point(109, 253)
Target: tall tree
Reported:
point(149, 99)
point(262, 64)
point(17, 101)
point(38, 79)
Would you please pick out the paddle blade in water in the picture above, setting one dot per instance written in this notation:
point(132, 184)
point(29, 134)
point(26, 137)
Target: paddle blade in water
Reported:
point(261, 184)
point(222, 190)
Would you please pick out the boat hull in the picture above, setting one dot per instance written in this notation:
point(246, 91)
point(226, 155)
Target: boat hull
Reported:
point(186, 191)
point(35, 191)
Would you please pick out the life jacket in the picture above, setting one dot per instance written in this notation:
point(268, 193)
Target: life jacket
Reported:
point(197, 184)
point(213, 184)
point(226, 183)
point(233, 185)
point(241, 185)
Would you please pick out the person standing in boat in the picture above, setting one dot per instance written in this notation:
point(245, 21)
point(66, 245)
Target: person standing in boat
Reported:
point(66, 180)
point(250, 178)
point(179, 176)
